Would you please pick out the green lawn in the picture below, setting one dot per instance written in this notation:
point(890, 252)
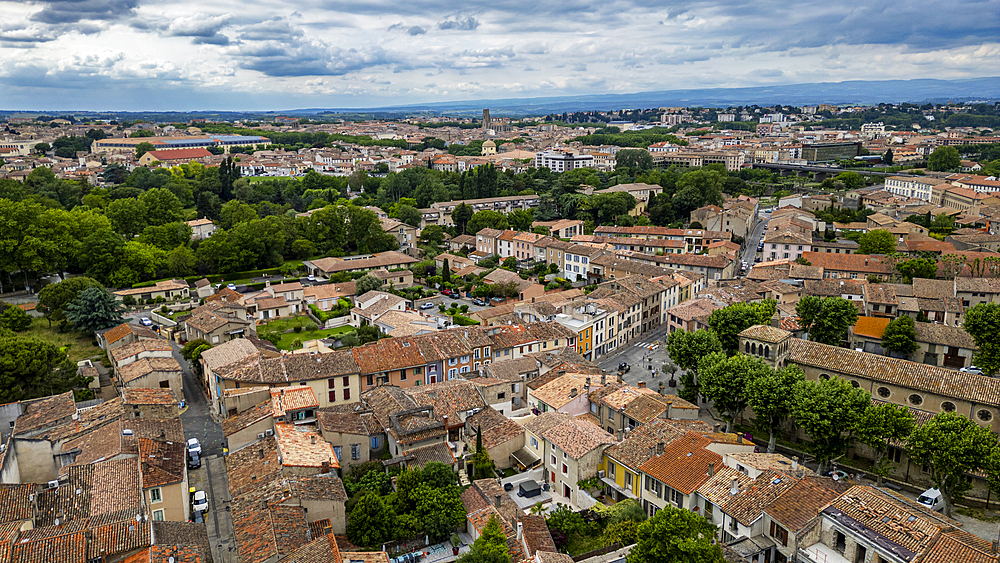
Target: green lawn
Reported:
point(80, 347)
point(281, 325)
point(584, 543)
point(285, 343)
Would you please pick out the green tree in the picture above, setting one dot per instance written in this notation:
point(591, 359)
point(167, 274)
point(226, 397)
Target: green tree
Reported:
point(14, 318)
point(53, 298)
point(128, 216)
point(143, 148)
point(367, 283)
point(944, 159)
point(729, 321)
point(509, 263)
point(826, 320)
point(768, 395)
point(490, 546)
point(461, 216)
point(438, 475)
point(900, 336)
point(370, 523)
point(887, 157)
point(409, 215)
point(674, 535)
point(95, 308)
point(181, 262)
point(982, 322)
point(433, 234)
point(917, 268)
point(440, 510)
point(633, 160)
point(485, 219)
point(42, 147)
point(697, 188)
point(686, 349)
point(521, 219)
point(952, 446)
point(828, 410)
point(481, 458)
point(723, 380)
point(234, 212)
point(162, 206)
point(879, 426)
point(877, 241)
point(367, 334)
point(30, 368)
point(446, 271)
point(851, 180)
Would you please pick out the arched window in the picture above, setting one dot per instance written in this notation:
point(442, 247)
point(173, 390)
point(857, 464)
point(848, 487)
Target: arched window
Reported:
point(747, 346)
point(767, 351)
point(985, 415)
point(824, 376)
point(753, 348)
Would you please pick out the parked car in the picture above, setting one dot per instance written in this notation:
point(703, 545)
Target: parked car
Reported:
point(194, 446)
point(199, 501)
point(455, 295)
point(311, 277)
point(194, 460)
point(231, 286)
point(931, 498)
point(426, 306)
point(972, 369)
point(445, 292)
point(144, 321)
point(837, 474)
point(497, 299)
point(480, 302)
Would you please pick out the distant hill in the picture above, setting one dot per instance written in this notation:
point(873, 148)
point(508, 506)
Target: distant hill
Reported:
point(861, 92)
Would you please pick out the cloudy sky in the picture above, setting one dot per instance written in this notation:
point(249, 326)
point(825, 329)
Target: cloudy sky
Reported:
point(283, 54)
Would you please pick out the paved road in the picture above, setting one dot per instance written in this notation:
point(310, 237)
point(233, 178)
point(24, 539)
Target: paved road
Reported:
point(642, 360)
point(750, 252)
point(211, 477)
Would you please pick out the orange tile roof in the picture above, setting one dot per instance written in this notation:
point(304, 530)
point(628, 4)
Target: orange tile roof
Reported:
point(302, 446)
point(871, 327)
point(285, 399)
point(684, 463)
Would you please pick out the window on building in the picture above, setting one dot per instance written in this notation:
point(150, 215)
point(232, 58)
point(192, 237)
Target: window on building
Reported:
point(347, 394)
point(565, 469)
point(338, 451)
point(158, 516)
point(779, 533)
point(374, 442)
point(333, 396)
point(552, 460)
point(501, 396)
point(156, 495)
point(355, 451)
point(534, 442)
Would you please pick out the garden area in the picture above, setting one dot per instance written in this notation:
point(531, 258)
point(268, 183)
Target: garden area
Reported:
point(289, 333)
point(581, 532)
point(78, 345)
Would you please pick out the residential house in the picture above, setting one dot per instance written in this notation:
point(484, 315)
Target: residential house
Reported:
point(201, 228)
point(169, 290)
point(218, 322)
point(362, 263)
point(355, 435)
point(571, 450)
point(621, 476)
point(501, 436)
point(372, 305)
point(561, 228)
point(326, 296)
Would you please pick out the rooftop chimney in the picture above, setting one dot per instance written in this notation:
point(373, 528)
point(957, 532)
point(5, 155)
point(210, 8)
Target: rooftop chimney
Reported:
point(734, 487)
point(642, 385)
point(574, 392)
point(520, 530)
point(739, 438)
point(325, 467)
point(312, 439)
point(669, 404)
point(604, 379)
point(711, 469)
point(652, 451)
point(659, 447)
point(496, 501)
point(795, 463)
point(588, 383)
point(445, 418)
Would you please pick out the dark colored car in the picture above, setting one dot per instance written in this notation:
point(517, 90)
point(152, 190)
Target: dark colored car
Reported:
point(478, 301)
point(194, 460)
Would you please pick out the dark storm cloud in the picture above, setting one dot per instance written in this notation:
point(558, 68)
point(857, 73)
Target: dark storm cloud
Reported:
point(72, 11)
point(468, 24)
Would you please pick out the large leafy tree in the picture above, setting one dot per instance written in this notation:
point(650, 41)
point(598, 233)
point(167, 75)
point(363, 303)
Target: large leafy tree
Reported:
point(367, 283)
point(440, 509)
point(674, 535)
point(917, 268)
point(461, 216)
point(370, 523)
point(952, 446)
point(95, 308)
point(30, 368)
point(943, 159)
point(982, 322)
point(828, 410)
point(162, 206)
point(826, 320)
point(877, 241)
point(900, 336)
point(769, 395)
point(490, 546)
point(686, 349)
point(723, 380)
point(53, 298)
point(14, 318)
point(879, 426)
point(729, 321)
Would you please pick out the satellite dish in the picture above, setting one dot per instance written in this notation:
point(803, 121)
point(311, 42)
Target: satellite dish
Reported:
point(836, 477)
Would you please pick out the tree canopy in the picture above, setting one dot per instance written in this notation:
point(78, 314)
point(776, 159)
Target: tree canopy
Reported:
point(826, 320)
point(94, 308)
point(982, 322)
point(729, 321)
point(828, 410)
point(675, 535)
point(877, 241)
point(900, 336)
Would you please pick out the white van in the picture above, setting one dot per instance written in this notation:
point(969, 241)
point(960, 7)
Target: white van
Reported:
point(932, 499)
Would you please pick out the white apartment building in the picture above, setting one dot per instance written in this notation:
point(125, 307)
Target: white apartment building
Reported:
point(906, 186)
point(561, 161)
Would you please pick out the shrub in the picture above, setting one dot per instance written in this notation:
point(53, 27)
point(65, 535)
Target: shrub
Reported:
point(298, 328)
point(312, 327)
point(164, 310)
point(160, 299)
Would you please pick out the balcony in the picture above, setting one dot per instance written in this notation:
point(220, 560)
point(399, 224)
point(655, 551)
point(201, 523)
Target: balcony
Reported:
point(821, 553)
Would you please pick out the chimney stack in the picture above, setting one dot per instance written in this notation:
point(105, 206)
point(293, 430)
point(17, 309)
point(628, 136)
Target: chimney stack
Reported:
point(574, 392)
point(312, 439)
point(445, 418)
point(739, 438)
point(520, 530)
point(604, 379)
point(496, 501)
point(618, 435)
point(325, 467)
point(652, 451)
point(659, 447)
point(642, 385)
point(795, 463)
point(588, 383)
point(669, 404)
point(711, 469)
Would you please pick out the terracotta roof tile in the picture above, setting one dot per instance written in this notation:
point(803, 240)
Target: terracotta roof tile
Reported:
point(684, 463)
point(578, 437)
point(640, 444)
point(302, 446)
point(871, 327)
point(747, 506)
point(497, 429)
point(800, 504)
point(147, 396)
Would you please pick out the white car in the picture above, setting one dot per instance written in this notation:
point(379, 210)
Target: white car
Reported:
point(145, 321)
point(972, 369)
point(311, 277)
point(931, 498)
point(194, 446)
point(199, 501)
point(231, 286)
